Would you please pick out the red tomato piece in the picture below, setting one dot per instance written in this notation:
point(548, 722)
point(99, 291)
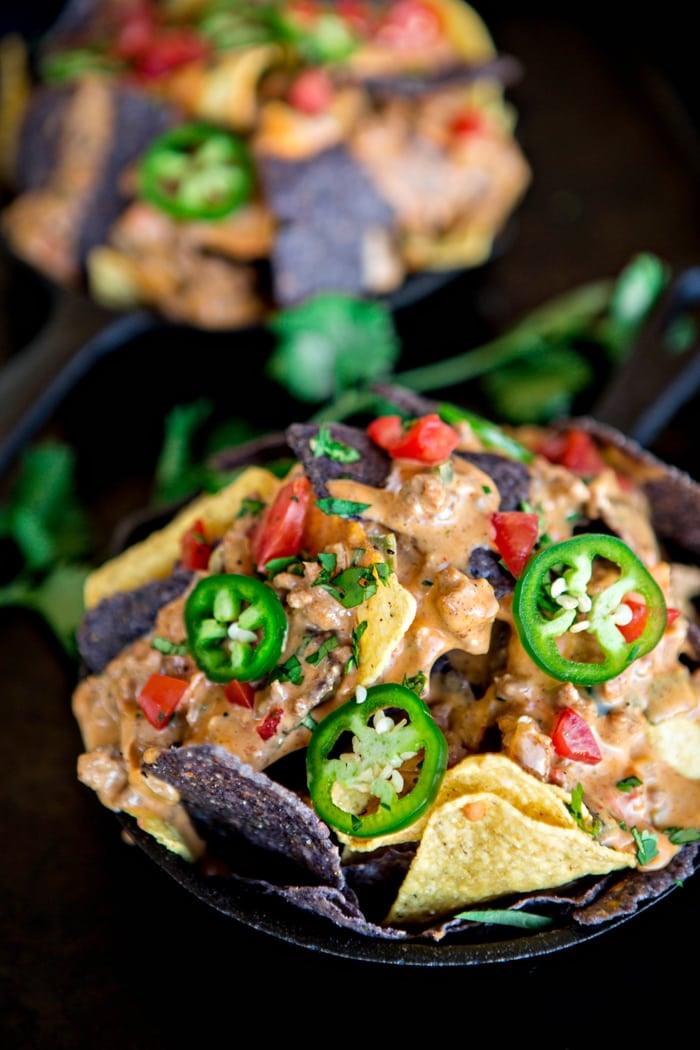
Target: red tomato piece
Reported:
point(576, 450)
point(410, 25)
point(357, 14)
point(136, 33)
point(241, 694)
point(268, 727)
point(312, 91)
point(169, 51)
point(470, 122)
point(634, 629)
point(386, 431)
point(281, 528)
point(427, 439)
point(195, 549)
point(573, 738)
point(516, 533)
point(160, 695)
point(671, 615)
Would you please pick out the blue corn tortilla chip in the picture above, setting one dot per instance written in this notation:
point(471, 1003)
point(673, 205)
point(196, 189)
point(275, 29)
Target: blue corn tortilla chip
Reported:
point(322, 204)
point(123, 617)
point(371, 468)
point(222, 792)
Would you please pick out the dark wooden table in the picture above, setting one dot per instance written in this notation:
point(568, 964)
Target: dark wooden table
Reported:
point(99, 949)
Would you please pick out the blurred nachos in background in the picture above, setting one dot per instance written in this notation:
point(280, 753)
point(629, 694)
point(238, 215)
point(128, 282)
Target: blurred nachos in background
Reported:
point(214, 159)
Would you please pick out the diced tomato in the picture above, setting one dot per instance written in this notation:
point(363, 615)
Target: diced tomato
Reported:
point(160, 695)
point(312, 91)
point(268, 727)
point(169, 51)
point(634, 629)
point(280, 530)
point(136, 33)
point(576, 450)
point(358, 14)
point(573, 738)
point(516, 533)
point(427, 440)
point(469, 122)
point(410, 25)
point(195, 549)
point(303, 12)
point(671, 615)
point(241, 694)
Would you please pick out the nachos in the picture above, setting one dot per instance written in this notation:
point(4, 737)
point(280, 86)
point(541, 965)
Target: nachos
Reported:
point(422, 665)
point(215, 159)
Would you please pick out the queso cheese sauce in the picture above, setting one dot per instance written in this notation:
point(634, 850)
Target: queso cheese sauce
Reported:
point(439, 619)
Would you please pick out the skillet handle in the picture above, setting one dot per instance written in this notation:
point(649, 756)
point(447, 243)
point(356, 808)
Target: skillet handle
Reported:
point(655, 381)
point(35, 380)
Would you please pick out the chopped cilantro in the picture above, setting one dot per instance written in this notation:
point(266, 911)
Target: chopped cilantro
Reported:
point(325, 445)
point(416, 683)
point(628, 784)
point(646, 843)
point(357, 633)
point(682, 836)
point(350, 587)
point(344, 508)
point(575, 807)
point(323, 650)
point(290, 671)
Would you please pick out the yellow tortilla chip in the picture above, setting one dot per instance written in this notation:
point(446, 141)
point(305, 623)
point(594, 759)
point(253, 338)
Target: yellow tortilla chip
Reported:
point(466, 29)
point(156, 556)
point(479, 846)
point(389, 614)
point(491, 771)
point(499, 773)
point(677, 741)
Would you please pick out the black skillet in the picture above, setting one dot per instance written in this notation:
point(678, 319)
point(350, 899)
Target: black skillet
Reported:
point(647, 392)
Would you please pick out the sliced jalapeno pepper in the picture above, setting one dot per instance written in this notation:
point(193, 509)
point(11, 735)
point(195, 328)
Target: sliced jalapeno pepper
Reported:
point(569, 620)
point(374, 765)
point(236, 627)
point(196, 171)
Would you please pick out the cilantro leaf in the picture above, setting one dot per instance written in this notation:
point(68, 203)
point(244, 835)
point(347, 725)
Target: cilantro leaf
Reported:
point(507, 917)
point(344, 508)
point(646, 843)
point(330, 343)
point(57, 598)
point(44, 516)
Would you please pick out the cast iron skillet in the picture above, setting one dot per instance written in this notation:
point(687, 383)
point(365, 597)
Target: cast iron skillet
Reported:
point(662, 384)
point(655, 401)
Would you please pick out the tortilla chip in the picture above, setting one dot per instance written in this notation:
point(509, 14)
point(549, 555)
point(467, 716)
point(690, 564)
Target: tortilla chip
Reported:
point(479, 846)
point(157, 555)
point(487, 772)
point(677, 741)
point(389, 614)
point(496, 772)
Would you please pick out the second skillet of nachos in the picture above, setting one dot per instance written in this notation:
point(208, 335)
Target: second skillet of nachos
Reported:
point(214, 159)
point(410, 668)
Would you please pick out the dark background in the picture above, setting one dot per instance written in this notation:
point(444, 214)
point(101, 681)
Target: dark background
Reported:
point(99, 947)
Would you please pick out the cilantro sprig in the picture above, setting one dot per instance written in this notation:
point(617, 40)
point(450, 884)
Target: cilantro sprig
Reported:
point(331, 349)
point(45, 526)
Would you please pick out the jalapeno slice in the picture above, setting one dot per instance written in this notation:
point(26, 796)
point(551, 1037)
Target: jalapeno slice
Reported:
point(375, 764)
point(569, 618)
point(197, 172)
point(236, 627)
